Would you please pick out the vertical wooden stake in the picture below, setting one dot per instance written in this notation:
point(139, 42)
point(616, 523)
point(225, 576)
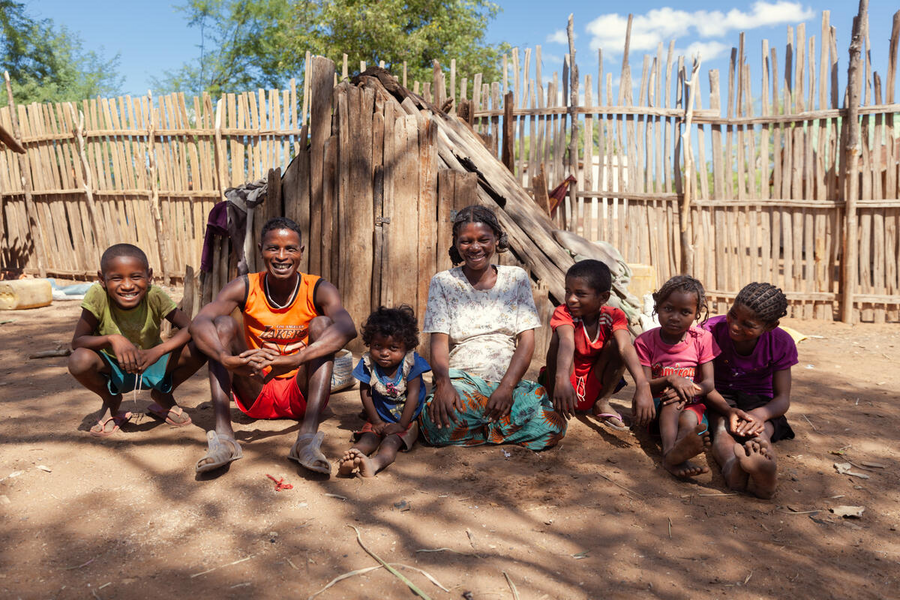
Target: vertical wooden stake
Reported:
point(687, 250)
point(573, 125)
point(153, 195)
point(101, 236)
point(506, 152)
point(850, 259)
point(34, 228)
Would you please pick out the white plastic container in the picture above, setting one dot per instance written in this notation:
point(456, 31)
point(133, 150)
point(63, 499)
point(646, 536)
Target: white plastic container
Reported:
point(17, 294)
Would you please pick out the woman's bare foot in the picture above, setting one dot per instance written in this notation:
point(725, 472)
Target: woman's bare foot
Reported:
point(757, 459)
point(735, 476)
point(688, 446)
point(685, 469)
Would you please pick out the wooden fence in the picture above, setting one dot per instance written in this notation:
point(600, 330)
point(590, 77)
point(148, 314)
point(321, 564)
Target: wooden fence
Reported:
point(761, 181)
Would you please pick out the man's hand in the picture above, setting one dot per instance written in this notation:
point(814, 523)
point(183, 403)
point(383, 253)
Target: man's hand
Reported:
point(246, 364)
point(564, 398)
point(446, 399)
point(127, 354)
point(277, 362)
point(148, 357)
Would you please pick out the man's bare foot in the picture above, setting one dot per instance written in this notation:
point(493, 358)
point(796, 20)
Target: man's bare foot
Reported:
point(348, 464)
point(688, 446)
point(735, 476)
point(757, 459)
point(685, 469)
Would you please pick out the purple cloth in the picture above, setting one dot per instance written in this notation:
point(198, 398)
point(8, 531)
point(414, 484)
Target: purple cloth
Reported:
point(216, 224)
point(775, 351)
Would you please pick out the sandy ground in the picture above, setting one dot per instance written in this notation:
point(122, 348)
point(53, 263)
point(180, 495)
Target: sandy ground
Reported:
point(595, 517)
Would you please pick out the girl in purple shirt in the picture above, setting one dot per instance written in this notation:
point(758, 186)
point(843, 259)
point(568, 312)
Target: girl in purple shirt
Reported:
point(753, 373)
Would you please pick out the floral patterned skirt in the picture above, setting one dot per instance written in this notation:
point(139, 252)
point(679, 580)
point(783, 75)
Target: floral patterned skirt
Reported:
point(532, 422)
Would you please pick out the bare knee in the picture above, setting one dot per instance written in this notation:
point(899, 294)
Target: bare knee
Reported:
point(83, 361)
point(226, 328)
point(318, 326)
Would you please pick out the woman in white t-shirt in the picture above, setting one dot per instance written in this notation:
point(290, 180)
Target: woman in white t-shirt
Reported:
point(482, 318)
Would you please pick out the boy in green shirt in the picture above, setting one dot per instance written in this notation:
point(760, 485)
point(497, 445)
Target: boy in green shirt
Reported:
point(117, 347)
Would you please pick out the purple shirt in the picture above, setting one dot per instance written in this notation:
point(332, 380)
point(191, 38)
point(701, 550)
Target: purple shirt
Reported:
point(775, 351)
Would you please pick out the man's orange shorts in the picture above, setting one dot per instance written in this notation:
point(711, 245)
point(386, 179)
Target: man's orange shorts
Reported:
point(278, 399)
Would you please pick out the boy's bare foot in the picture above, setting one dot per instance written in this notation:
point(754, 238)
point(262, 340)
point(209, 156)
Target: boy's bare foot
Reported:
point(347, 463)
point(757, 459)
point(365, 465)
point(685, 469)
point(688, 446)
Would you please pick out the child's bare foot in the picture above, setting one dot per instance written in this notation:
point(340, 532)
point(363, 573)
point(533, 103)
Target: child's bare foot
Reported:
point(354, 459)
point(348, 464)
point(757, 459)
point(688, 446)
point(685, 469)
point(608, 415)
point(735, 476)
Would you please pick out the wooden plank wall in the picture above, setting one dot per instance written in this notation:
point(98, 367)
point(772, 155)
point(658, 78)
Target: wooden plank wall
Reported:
point(768, 147)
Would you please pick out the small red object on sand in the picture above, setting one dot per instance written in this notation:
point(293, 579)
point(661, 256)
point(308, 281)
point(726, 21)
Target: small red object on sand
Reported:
point(280, 484)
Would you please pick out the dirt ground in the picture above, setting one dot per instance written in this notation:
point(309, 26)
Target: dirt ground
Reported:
point(595, 517)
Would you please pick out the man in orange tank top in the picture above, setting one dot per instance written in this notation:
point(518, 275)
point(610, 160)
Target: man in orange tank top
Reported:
point(278, 363)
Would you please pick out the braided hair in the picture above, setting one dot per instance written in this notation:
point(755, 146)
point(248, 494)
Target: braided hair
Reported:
point(685, 284)
point(477, 214)
point(765, 300)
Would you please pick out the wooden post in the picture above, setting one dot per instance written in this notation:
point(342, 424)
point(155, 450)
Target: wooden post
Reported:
point(153, 194)
point(571, 108)
point(506, 152)
point(850, 259)
point(687, 250)
point(34, 228)
point(101, 237)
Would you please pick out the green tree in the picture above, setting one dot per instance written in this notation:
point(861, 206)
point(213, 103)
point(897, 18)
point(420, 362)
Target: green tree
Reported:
point(263, 43)
point(47, 63)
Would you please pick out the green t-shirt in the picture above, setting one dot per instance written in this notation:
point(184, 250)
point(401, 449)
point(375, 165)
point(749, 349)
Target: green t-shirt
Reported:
point(140, 324)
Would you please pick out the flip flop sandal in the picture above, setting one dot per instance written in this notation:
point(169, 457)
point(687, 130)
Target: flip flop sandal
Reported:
point(605, 420)
point(175, 416)
point(117, 419)
point(307, 451)
point(219, 453)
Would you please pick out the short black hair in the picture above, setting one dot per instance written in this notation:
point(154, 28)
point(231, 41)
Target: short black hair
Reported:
point(767, 301)
point(278, 223)
point(687, 284)
point(476, 213)
point(399, 323)
point(594, 272)
point(117, 250)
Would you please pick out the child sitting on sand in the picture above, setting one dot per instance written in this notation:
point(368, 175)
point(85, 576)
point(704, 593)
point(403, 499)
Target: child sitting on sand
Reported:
point(117, 347)
point(753, 373)
point(391, 389)
point(590, 349)
point(677, 358)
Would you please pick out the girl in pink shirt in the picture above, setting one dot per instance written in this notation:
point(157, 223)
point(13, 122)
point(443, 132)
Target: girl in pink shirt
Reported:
point(677, 360)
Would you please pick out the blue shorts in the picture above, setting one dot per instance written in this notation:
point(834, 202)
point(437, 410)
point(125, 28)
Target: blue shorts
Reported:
point(154, 377)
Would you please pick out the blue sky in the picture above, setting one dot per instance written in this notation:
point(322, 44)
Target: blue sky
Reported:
point(152, 36)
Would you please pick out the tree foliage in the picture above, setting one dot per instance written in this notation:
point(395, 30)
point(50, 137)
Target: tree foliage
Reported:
point(263, 43)
point(47, 63)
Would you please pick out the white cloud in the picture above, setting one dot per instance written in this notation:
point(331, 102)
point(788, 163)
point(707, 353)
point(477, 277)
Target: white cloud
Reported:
point(559, 37)
point(662, 24)
point(706, 50)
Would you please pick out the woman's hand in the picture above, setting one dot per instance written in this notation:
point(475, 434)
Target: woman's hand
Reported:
point(564, 398)
point(500, 403)
point(442, 409)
